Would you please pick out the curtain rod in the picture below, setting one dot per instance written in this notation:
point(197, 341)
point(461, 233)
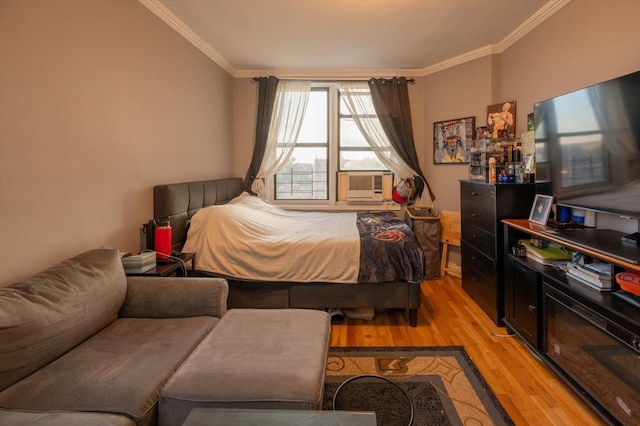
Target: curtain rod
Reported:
point(409, 80)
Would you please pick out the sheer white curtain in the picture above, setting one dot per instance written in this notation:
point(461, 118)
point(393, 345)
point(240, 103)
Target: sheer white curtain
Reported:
point(357, 97)
point(288, 112)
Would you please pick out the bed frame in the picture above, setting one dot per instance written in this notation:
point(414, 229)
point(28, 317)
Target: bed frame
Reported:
point(180, 201)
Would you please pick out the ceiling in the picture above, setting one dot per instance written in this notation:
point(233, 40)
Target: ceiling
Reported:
point(311, 38)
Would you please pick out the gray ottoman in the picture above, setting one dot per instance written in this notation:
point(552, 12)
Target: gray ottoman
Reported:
point(253, 358)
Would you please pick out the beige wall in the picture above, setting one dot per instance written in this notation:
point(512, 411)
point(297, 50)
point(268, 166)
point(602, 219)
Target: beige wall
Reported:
point(459, 92)
point(99, 102)
point(584, 43)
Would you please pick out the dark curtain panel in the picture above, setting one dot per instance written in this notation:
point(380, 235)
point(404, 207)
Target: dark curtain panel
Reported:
point(266, 96)
point(391, 101)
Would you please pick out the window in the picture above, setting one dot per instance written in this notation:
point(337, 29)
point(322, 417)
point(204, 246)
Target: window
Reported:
point(305, 176)
point(355, 152)
point(329, 142)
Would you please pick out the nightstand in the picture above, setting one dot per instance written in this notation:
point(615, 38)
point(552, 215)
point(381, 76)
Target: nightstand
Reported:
point(171, 268)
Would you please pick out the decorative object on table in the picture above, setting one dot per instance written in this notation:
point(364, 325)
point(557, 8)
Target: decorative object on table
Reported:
point(442, 383)
point(577, 215)
point(530, 122)
point(590, 218)
point(528, 160)
point(493, 177)
point(563, 213)
point(482, 132)
point(451, 140)
point(540, 209)
point(139, 263)
point(629, 282)
point(501, 119)
point(519, 250)
point(547, 254)
point(147, 235)
point(162, 240)
point(593, 277)
point(539, 243)
point(504, 154)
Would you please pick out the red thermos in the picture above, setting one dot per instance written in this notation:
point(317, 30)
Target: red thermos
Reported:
point(163, 240)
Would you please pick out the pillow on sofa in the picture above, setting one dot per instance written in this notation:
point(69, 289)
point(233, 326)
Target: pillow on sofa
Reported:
point(46, 315)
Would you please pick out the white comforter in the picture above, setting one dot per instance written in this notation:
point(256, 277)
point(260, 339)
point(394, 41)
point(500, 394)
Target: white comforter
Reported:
point(251, 239)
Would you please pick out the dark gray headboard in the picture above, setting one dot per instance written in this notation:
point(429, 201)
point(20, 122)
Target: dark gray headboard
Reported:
point(180, 201)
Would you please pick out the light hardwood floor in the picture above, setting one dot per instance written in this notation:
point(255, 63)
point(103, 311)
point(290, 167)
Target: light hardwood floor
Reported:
point(529, 391)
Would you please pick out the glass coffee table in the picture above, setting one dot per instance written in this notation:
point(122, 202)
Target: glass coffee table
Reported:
point(242, 416)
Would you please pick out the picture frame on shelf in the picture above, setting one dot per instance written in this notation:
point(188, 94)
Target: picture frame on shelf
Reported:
point(540, 209)
point(501, 120)
point(451, 139)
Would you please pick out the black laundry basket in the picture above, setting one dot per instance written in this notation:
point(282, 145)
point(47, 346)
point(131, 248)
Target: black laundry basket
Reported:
point(425, 223)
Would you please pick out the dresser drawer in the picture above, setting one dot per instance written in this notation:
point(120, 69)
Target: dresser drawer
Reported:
point(478, 195)
point(480, 239)
point(481, 217)
point(473, 258)
point(482, 290)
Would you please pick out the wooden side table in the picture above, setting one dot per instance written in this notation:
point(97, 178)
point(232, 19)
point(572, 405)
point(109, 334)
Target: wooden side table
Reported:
point(171, 268)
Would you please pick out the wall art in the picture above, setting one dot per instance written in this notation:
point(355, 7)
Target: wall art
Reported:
point(501, 120)
point(451, 140)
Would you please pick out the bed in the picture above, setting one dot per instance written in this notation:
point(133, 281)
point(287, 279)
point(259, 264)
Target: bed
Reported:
point(385, 283)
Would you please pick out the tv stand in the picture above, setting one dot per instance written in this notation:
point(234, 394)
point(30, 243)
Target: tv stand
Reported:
point(606, 242)
point(578, 331)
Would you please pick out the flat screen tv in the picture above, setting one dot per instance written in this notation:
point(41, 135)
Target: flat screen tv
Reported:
point(588, 146)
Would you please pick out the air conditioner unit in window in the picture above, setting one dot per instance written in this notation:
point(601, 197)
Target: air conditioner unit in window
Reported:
point(364, 186)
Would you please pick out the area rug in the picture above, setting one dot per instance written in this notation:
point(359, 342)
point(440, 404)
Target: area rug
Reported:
point(443, 385)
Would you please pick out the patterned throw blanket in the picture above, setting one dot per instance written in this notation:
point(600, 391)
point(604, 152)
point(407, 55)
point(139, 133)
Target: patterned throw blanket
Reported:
point(389, 249)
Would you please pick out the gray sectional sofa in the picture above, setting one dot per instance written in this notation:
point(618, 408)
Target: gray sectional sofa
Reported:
point(81, 343)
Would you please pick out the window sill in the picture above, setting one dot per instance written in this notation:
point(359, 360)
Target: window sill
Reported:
point(343, 206)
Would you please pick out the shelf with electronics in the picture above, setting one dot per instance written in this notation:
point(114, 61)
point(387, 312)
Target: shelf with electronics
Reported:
point(502, 160)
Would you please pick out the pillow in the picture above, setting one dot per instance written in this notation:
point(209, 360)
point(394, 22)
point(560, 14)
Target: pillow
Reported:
point(45, 316)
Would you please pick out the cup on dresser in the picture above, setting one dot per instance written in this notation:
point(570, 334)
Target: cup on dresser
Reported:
point(578, 216)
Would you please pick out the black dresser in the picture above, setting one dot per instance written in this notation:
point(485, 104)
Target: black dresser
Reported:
point(483, 206)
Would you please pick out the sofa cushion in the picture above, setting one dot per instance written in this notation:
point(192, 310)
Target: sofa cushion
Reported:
point(45, 316)
point(119, 370)
point(61, 418)
point(255, 358)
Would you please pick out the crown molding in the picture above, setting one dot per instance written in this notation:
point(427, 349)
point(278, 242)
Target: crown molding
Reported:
point(181, 28)
point(523, 29)
point(461, 59)
point(332, 73)
point(372, 73)
point(530, 24)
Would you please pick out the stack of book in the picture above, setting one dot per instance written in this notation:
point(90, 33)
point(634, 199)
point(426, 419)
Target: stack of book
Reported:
point(594, 275)
point(552, 255)
point(139, 263)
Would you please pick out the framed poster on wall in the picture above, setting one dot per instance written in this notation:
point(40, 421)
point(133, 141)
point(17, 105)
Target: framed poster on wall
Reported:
point(451, 140)
point(501, 120)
